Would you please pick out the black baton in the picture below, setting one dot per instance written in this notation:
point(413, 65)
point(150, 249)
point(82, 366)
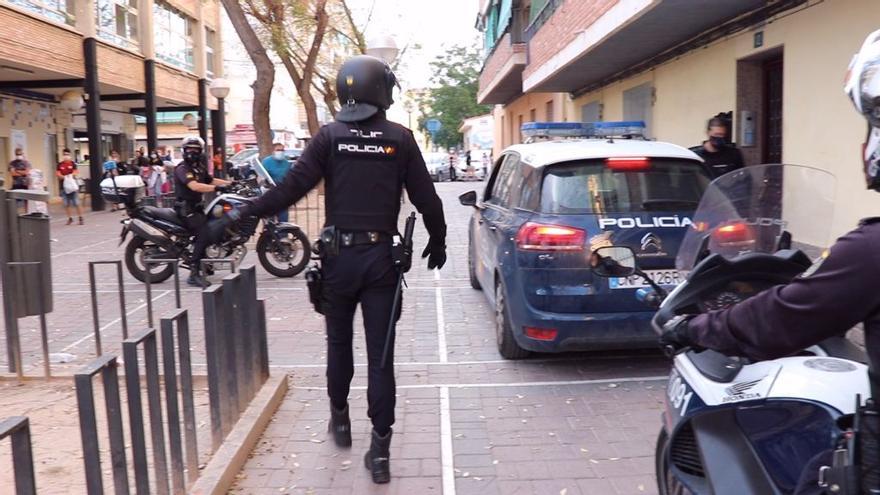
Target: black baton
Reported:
point(402, 266)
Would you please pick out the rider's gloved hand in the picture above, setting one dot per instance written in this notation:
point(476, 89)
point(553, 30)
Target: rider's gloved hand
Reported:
point(222, 189)
point(676, 336)
point(436, 254)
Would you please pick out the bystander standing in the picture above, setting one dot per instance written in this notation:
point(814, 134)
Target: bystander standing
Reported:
point(67, 172)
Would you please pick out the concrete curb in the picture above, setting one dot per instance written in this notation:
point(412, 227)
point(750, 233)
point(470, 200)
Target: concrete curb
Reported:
point(219, 475)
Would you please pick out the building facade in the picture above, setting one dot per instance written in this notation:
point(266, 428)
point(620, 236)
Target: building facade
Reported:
point(777, 67)
point(75, 73)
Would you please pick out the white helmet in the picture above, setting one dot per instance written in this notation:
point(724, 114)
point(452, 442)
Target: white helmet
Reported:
point(192, 142)
point(863, 88)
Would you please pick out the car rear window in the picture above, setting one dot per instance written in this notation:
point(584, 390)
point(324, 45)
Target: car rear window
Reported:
point(591, 187)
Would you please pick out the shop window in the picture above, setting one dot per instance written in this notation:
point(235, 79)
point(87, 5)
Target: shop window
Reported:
point(638, 104)
point(117, 22)
point(57, 10)
point(591, 112)
point(173, 36)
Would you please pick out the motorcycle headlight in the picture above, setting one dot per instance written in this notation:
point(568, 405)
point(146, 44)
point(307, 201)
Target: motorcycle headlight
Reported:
point(217, 211)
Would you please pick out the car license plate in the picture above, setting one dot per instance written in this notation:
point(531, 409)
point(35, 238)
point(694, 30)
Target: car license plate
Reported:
point(661, 277)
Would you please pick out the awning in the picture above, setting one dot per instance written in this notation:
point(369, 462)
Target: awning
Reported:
point(633, 32)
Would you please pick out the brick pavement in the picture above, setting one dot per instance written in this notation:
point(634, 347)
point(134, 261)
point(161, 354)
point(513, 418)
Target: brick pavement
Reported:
point(454, 387)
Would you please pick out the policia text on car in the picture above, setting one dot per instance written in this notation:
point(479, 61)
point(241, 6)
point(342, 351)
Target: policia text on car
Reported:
point(365, 161)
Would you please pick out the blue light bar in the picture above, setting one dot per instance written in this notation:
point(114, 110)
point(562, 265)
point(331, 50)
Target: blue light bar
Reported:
point(548, 130)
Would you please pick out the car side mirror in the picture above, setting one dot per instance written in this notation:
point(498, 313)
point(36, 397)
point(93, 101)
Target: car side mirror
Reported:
point(468, 199)
point(613, 261)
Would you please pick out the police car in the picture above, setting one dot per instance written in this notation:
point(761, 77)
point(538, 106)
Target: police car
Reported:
point(548, 204)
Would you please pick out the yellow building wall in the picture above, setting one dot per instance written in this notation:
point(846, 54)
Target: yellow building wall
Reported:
point(820, 126)
point(507, 117)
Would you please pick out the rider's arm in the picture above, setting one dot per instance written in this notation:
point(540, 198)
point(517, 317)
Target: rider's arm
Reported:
point(220, 182)
point(189, 178)
point(299, 180)
point(421, 192)
point(785, 319)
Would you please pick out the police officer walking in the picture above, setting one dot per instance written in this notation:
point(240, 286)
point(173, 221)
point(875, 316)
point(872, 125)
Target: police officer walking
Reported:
point(365, 161)
point(191, 181)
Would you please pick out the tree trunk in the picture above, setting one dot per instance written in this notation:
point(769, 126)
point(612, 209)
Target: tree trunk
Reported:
point(265, 77)
point(305, 87)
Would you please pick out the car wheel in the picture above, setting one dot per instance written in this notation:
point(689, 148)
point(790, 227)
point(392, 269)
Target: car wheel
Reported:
point(507, 346)
point(472, 268)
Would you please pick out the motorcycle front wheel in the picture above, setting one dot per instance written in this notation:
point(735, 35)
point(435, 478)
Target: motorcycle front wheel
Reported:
point(285, 256)
point(136, 251)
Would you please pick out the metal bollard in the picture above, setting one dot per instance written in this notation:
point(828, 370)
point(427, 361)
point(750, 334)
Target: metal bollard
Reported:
point(44, 334)
point(18, 429)
point(236, 351)
point(222, 413)
point(246, 336)
point(121, 290)
point(149, 285)
point(147, 338)
point(88, 427)
point(181, 321)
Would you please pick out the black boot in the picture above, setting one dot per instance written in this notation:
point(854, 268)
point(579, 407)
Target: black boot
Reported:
point(376, 459)
point(340, 426)
point(196, 279)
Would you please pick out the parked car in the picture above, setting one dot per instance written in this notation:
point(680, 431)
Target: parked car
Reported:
point(438, 165)
point(544, 209)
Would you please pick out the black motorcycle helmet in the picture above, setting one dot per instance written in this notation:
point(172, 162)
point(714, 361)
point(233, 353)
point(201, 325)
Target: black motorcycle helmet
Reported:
point(364, 85)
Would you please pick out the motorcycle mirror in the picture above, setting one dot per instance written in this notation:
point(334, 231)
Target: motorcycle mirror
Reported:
point(468, 199)
point(613, 261)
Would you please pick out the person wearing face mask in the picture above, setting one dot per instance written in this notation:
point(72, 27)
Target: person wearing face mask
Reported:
point(191, 181)
point(67, 167)
point(719, 155)
point(277, 166)
point(20, 169)
point(157, 175)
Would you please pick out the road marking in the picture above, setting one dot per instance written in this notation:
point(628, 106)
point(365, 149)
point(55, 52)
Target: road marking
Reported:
point(552, 360)
point(441, 321)
point(558, 383)
point(446, 455)
point(82, 247)
point(91, 334)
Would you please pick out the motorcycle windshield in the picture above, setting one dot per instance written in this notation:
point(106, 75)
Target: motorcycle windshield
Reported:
point(254, 163)
point(756, 209)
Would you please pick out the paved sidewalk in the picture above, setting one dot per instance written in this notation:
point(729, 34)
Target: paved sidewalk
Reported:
point(468, 421)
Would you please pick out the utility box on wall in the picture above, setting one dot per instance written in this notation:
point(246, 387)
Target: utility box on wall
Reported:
point(747, 129)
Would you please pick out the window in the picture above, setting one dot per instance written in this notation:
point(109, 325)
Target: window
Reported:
point(174, 36)
point(501, 188)
point(117, 22)
point(668, 185)
point(591, 112)
point(548, 111)
point(210, 41)
point(638, 103)
point(62, 11)
point(532, 115)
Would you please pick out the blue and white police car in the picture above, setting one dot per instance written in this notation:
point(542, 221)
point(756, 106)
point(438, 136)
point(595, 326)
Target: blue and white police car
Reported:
point(548, 204)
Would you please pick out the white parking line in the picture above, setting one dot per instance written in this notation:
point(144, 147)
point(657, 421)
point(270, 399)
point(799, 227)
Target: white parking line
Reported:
point(91, 334)
point(83, 247)
point(558, 383)
point(441, 321)
point(447, 461)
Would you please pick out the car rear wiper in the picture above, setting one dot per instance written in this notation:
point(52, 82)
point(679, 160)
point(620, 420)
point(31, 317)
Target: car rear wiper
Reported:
point(667, 204)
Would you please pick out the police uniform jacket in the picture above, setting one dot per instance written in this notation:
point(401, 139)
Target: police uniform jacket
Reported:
point(365, 166)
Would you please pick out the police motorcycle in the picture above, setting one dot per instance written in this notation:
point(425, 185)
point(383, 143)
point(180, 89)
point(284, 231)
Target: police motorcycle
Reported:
point(160, 234)
point(732, 426)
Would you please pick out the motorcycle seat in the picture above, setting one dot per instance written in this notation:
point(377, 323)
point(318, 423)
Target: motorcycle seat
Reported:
point(166, 214)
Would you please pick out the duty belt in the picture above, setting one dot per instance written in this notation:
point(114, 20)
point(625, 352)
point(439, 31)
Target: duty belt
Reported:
point(347, 239)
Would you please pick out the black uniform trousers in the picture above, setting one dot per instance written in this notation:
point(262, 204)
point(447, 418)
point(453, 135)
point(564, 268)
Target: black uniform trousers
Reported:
point(360, 274)
point(197, 223)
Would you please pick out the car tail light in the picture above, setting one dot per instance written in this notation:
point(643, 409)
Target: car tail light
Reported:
point(541, 237)
point(540, 333)
point(627, 164)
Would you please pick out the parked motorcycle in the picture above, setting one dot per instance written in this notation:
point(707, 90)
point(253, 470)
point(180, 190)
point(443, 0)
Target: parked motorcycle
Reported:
point(731, 425)
point(160, 234)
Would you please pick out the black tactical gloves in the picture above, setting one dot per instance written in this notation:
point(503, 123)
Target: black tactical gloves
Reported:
point(436, 254)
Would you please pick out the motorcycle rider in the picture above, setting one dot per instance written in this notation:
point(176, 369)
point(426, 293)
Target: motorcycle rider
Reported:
point(365, 161)
point(191, 181)
point(827, 300)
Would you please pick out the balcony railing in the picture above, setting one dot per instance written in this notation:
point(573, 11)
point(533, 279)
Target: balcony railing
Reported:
point(541, 17)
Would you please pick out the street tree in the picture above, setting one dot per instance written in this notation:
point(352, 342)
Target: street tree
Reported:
point(453, 96)
point(311, 38)
point(265, 76)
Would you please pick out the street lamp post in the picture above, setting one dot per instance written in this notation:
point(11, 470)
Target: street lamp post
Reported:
point(220, 90)
point(383, 47)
